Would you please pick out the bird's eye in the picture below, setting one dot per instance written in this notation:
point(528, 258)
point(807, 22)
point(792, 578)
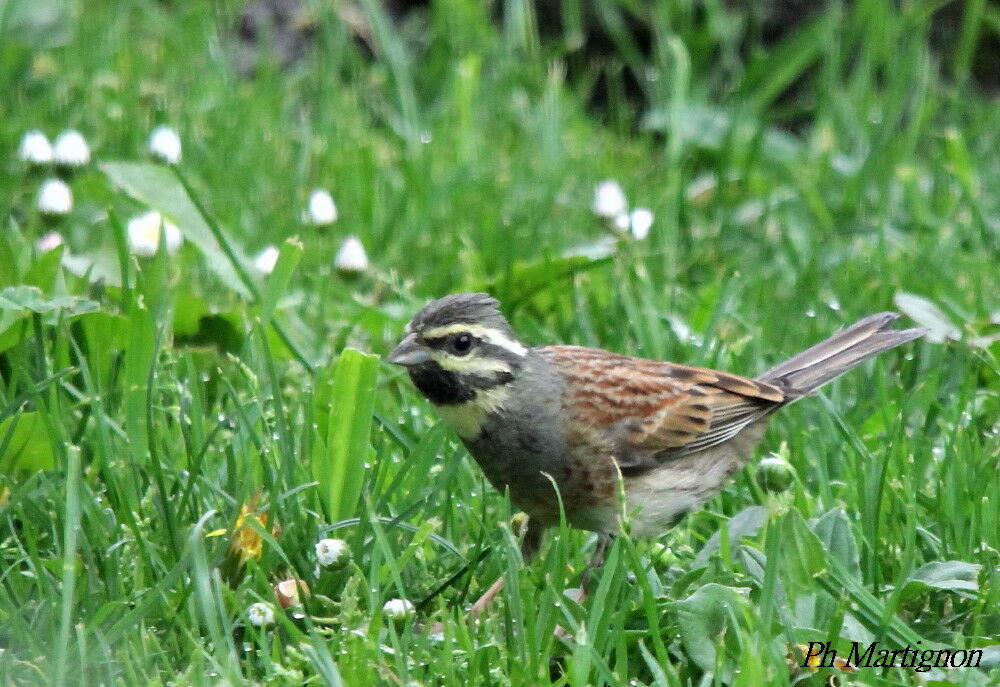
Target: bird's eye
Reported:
point(462, 344)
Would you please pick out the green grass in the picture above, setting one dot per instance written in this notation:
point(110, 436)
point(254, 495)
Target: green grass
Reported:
point(143, 402)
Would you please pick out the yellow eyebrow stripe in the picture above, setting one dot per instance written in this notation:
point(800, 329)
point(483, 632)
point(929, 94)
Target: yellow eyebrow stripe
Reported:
point(488, 334)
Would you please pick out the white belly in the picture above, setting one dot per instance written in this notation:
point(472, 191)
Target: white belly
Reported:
point(656, 500)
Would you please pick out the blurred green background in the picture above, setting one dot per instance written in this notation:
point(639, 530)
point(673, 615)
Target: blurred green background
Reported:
point(177, 432)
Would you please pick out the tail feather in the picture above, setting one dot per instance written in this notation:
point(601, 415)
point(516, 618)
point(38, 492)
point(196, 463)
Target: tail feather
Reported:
point(815, 366)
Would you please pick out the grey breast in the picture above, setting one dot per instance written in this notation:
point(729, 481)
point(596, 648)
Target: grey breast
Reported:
point(524, 439)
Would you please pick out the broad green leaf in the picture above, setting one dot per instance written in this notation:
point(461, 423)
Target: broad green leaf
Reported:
point(703, 618)
point(834, 532)
point(24, 443)
point(13, 256)
point(991, 657)
point(19, 302)
point(952, 576)
point(44, 270)
point(926, 313)
point(343, 405)
point(803, 558)
point(10, 328)
point(98, 265)
point(31, 299)
point(157, 187)
point(746, 523)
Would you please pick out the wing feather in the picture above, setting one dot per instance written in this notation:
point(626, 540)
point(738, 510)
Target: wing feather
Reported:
point(650, 411)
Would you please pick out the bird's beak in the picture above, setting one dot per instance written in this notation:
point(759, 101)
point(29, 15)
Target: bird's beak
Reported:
point(409, 352)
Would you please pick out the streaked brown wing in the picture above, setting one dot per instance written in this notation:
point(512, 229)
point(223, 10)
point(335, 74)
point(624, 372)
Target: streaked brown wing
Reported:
point(651, 411)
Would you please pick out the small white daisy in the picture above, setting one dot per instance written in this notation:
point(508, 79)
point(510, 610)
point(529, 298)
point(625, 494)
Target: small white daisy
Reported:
point(260, 614)
point(398, 610)
point(332, 552)
point(265, 260)
point(636, 222)
point(165, 145)
point(70, 149)
point(609, 199)
point(642, 220)
point(54, 197)
point(322, 210)
point(35, 148)
point(49, 241)
point(351, 257)
point(144, 234)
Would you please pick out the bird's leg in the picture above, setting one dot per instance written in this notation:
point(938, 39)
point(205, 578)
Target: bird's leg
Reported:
point(603, 540)
point(596, 561)
point(530, 542)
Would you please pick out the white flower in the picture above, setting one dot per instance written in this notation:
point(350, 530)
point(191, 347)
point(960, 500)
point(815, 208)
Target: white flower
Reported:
point(35, 148)
point(49, 241)
point(260, 614)
point(54, 197)
point(165, 145)
point(332, 552)
point(609, 199)
point(637, 222)
point(144, 234)
point(398, 610)
point(641, 221)
point(322, 210)
point(70, 149)
point(351, 257)
point(265, 260)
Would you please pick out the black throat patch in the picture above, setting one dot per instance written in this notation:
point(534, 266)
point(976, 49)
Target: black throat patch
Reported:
point(444, 387)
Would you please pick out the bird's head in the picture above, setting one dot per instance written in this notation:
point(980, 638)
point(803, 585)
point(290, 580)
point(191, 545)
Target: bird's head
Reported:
point(458, 347)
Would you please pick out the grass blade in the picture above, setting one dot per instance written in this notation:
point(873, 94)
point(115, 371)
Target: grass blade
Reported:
point(344, 401)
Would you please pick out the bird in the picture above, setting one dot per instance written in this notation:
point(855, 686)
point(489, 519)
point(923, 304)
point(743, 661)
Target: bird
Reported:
point(600, 437)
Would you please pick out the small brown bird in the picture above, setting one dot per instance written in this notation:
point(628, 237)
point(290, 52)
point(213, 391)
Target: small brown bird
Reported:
point(581, 419)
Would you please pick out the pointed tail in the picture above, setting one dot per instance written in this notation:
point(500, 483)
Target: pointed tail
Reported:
point(814, 367)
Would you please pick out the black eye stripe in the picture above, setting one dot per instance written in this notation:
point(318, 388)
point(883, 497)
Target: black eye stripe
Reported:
point(444, 387)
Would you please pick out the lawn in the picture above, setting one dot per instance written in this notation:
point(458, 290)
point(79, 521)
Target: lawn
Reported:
point(183, 419)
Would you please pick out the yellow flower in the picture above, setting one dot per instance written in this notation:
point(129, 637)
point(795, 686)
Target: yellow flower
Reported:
point(246, 542)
